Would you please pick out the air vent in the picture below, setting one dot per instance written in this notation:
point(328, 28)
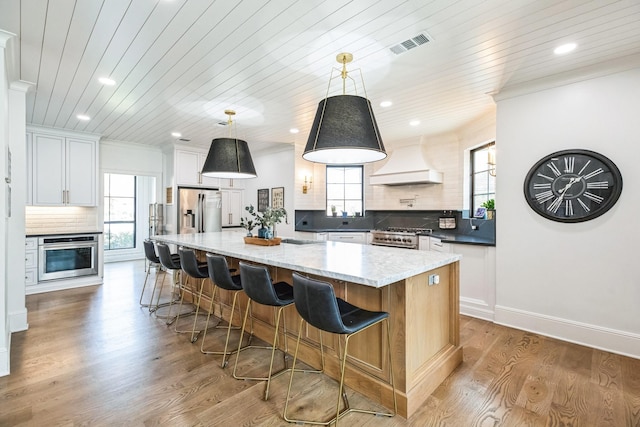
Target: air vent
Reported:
point(184, 140)
point(404, 46)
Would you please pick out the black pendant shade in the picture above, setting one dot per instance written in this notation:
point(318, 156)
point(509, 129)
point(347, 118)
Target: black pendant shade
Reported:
point(229, 158)
point(344, 131)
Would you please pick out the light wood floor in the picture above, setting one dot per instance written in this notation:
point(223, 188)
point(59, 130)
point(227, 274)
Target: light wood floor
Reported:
point(92, 356)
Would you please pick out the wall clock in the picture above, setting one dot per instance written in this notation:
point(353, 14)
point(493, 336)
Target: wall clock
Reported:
point(573, 185)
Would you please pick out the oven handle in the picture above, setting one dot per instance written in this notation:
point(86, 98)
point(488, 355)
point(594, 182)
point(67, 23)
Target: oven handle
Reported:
point(69, 245)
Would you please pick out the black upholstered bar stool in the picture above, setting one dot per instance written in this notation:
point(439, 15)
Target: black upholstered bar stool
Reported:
point(174, 266)
point(195, 270)
point(154, 262)
point(318, 305)
point(258, 286)
point(221, 277)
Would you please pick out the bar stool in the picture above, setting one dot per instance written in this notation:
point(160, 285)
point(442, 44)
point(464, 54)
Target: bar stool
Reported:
point(220, 275)
point(318, 305)
point(154, 262)
point(258, 286)
point(175, 266)
point(195, 270)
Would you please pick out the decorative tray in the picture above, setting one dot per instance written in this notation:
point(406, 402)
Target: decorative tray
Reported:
point(262, 242)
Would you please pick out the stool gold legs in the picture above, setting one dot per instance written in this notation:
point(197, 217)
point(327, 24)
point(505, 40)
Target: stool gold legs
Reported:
point(341, 394)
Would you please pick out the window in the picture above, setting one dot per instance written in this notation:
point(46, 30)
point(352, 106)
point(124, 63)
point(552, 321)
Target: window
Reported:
point(483, 175)
point(119, 211)
point(345, 189)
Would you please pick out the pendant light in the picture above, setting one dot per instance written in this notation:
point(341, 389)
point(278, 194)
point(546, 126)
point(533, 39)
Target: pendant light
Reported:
point(229, 157)
point(344, 130)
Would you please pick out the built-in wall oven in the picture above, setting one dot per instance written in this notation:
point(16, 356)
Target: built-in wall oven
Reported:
point(63, 257)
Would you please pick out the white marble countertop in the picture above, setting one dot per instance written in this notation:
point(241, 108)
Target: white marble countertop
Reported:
point(369, 265)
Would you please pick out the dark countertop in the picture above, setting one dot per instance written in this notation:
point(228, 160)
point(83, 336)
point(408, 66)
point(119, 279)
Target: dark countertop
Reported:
point(446, 237)
point(461, 238)
point(43, 234)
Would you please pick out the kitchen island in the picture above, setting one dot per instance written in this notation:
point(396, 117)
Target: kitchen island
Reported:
point(419, 290)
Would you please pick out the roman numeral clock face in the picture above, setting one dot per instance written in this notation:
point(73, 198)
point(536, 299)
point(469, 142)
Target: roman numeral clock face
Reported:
point(573, 185)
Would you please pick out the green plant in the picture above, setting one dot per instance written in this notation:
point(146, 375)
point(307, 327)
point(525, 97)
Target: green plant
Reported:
point(247, 224)
point(333, 208)
point(489, 204)
point(269, 217)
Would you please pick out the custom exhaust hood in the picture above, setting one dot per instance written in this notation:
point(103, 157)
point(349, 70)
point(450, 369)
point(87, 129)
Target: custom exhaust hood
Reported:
point(406, 165)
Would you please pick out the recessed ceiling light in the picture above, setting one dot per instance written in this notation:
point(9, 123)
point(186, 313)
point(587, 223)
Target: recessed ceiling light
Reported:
point(83, 117)
point(294, 130)
point(176, 134)
point(107, 81)
point(386, 104)
point(414, 122)
point(565, 48)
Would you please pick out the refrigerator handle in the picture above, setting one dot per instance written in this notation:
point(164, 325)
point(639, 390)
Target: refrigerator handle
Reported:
point(202, 214)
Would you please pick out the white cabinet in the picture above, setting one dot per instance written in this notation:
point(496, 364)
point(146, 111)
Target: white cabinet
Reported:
point(188, 169)
point(64, 170)
point(437, 245)
point(31, 261)
point(423, 243)
point(351, 237)
point(477, 280)
point(231, 207)
point(231, 183)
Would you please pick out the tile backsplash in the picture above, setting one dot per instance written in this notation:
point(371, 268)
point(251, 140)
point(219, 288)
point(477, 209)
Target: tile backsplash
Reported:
point(73, 219)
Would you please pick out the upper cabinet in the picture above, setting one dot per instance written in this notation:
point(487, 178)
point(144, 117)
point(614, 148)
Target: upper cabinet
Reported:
point(188, 167)
point(63, 168)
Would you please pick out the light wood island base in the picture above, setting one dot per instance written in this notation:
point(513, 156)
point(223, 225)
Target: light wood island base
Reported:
point(424, 324)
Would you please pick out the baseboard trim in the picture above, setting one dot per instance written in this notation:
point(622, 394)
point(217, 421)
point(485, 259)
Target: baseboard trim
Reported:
point(476, 308)
point(607, 339)
point(18, 320)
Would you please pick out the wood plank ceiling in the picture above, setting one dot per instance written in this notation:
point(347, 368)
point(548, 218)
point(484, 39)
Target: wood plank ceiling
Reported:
point(179, 64)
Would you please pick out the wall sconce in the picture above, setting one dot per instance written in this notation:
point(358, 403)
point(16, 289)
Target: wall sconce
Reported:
point(307, 184)
point(491, 161)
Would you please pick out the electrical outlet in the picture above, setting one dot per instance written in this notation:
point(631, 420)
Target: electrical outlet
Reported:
point(434, 279)
point(474, 227)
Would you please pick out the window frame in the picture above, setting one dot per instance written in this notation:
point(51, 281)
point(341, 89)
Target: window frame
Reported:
point(344, 200)
point(106, 199)
point(472, 177)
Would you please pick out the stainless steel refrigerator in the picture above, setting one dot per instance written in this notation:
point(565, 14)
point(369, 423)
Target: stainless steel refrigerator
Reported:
point(199, 210)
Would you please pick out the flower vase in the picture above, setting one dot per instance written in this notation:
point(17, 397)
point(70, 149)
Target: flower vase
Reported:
point(268, 234)
point(262, 231)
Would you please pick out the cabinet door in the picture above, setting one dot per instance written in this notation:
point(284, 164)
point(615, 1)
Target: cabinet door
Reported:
point(231, 207)
point(347, 237)
point(187, 168)
point(48, 164)
point(206, 181)
point(81, 172)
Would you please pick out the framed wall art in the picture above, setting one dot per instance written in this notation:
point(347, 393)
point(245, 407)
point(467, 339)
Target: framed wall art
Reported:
point(263, 199)
point(277, 197)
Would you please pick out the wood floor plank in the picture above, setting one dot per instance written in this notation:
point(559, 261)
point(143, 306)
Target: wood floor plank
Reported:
point(93, 357)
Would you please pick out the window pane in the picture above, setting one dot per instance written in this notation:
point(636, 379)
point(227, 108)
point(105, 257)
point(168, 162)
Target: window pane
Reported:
point(481, 182)
point(120, 236)
point(353, 191)
point(335, 191)
point(122, 185)
point(121, 209)
point(335, 175)
point(353, 175)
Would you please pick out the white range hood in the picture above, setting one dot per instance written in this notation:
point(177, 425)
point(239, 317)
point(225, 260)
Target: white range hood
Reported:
point(406, 165)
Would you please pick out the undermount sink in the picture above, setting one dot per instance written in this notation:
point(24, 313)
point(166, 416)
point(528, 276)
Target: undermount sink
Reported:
point(300, 241)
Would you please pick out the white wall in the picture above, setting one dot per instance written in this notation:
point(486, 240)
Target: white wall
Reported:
point(578, 282)
point(145, 162)
point(274, 169)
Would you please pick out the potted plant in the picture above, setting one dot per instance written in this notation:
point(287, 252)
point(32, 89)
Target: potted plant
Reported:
point(248, 224)
point(334, 211)
point(491, 208)
point(267, 219)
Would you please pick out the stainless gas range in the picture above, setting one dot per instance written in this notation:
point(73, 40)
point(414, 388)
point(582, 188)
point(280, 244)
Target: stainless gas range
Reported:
point(397, 237)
